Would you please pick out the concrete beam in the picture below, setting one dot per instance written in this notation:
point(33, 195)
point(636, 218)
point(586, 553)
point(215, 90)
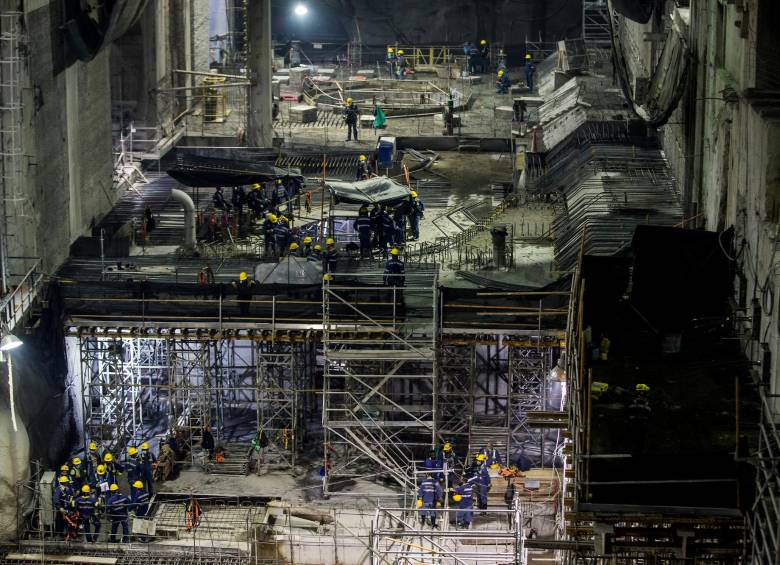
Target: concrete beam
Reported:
point(260, 130)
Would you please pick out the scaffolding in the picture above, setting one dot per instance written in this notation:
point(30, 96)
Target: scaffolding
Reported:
point(135, 388)
point(595, 23)
point(379, 399)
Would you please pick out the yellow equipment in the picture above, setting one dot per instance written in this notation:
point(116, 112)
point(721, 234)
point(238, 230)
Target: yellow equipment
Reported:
point(457, 497)
point(495, 466)
point(93, 446)
point(318, 247)
point(598, 388)
point(293, 246)
point(419, 503)
point(447, 446)
point(330, 241)
point(483, 42)
point(138, 484)
point(481, 457)
point(327, 277)
point(500, 73)
point(242, 277)
point(132, 451)
point(144, 445)
point(76, 461)
point(114, 487)
point(394, 251)
point(349, 101)
point(400, 51)
point(101, 469)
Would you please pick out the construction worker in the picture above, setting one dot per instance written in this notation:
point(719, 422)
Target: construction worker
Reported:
point(391, 61)
point(639, 413)
point(498, 235)
point(428, 495)
point(294, 250)
point(399, 219)
point(218, 199)
point(465, 503)
point(416, 213)
point(133, 466)
point(483, 480)
point(306, 251)
point(375, 215)
point(257, 446)
point(87, 505)
point(207, 440)
point(502, 82)
point(474, 64)
point(93, 457)
point(243, 288)
point(363, 226)
point(77, 474)
point(254, 200)
point(64, 471)
point(530, 69)
point(434, 464)
point(484, 55)
point(316, 254)
point(450, 462)
point(395, 271)
point(139, 502)
point(147, 460)
point(330, 257)
point(281, 235)
point(113, 468)
point(400, 65)
point(388, 228)
point(62, 501)
point(117, 509)
point(101, 481)
point(492, 455)
point(238, 198)
point(351, 117)
point(364, 169)
point(268, 234)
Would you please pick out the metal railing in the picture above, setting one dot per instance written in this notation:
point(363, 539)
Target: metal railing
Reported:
point(15, 305)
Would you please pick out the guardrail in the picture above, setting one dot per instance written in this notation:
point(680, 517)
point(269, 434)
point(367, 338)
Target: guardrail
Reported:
point(17, 303)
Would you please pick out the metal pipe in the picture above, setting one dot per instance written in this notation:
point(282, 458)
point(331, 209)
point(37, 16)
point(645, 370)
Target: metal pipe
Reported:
point(189, 216)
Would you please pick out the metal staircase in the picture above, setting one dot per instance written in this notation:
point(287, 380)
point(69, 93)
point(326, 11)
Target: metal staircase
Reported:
point(595, 23)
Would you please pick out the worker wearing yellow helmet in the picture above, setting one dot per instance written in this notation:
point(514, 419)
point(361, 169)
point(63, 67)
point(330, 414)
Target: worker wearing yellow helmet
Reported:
point(390, 61)
point(416, 213)
point(244, 289)
point(395, 271)
point(316, 254)
point(139, 499)
point(330, 257)
point(464, 498)
point(502, 82)
point(530, 69)
point(351, 118)
point(62, 500)
point(364, 169)
point(400, 67)
point(117, 506)
point(147, 459)
point(293, 250)
point(87, 505)
point(282, 236)
point(484, 55)
point(327, 277)
point(491, 453)
point(77, 474)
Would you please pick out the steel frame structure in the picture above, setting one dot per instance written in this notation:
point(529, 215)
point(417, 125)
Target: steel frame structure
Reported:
point(131, 385)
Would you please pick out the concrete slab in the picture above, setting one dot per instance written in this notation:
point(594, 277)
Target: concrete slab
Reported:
point(298, 75)
point(504, 113)
point(303, 114)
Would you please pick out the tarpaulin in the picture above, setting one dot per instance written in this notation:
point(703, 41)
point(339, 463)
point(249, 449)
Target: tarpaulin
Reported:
point(378, 190)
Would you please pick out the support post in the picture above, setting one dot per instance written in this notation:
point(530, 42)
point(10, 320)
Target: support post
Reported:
point(260, 127)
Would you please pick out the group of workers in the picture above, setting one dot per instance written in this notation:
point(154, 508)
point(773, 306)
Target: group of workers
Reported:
point(261, 200)
point(442, 477)
point(397, 63)
point(478, 57)
point(385, 226)
point(88, 490)
point(502, 76)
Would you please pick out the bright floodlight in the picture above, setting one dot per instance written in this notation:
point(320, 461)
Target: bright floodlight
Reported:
point(301, 10)
point(9, 342)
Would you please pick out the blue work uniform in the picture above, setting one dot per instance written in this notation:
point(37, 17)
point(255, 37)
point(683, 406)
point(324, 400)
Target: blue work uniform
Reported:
point(315, 257)
point(364, 170)
point(483, 482)
point(474, 65)
point(391, 60)
point(140, 503)
point(432, 465)
point(363, 228)
point(502, 84)
point(77, 477)
point(465, 514)
point(401, 66)
point(281, 237)
point(530, 69)
point(330, 260)
point(417, 208)
point(87, 504)
point(430, 493)
point(147, 461)
point(400, 226)
point(117, 509)
point(133, 467)
point(395, 272)
point(62, 500)
point(268, 236)
point(388, 229)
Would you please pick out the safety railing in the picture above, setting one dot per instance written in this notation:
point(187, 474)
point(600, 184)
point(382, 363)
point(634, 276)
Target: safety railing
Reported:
point(15, 305)
point(425, 55)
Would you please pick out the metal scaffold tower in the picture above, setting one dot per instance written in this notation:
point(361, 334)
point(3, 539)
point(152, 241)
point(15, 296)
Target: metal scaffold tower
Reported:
point(456, 388)
point(135, 388)
point(380, 366)
point(595, 23)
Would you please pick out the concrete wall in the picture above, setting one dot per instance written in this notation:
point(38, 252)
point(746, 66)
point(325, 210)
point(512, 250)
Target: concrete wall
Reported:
point(723, 142)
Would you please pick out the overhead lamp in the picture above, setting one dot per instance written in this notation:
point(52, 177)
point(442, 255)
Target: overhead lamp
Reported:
point(9, 342)
point(301, 10)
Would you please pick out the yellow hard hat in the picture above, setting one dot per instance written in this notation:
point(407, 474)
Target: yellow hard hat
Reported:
point(256, 186)
point(108, 458)
point(76, 461)
point(500, 73)
point(327, 277)
point(330, 241)
point(419, 503)
point(283, 219)
point(390, 49)
point(132, 451)
point(114, 487)
point(349, 100)
point(400, 51)
point(85, 489)
point(278, 181)
point(64, 480)
point(481, 457)
point(394, 251)
point(318, 247)
point(64, 468)
point(273, 219)
point(293, 246)
point(362, 157)
point(93, 446)
point(144, 445)
point(138, 484)
point(307, 240)
point(483, 42)
point(527, 56)
point(447, 446)
point(414, 194)
point(642, 388)
point(242, 276)
point(101, 469)
point(495, 466)
point(457, 497)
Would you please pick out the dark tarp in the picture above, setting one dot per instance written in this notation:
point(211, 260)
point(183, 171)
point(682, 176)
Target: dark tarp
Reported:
point(378, 190)
point(193, 170)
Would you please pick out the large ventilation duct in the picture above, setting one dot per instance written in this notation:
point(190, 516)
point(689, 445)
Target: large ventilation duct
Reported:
point(189, 216)
point(89, 32)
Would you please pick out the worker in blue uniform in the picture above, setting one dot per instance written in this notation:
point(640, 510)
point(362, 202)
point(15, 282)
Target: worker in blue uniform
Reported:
point(530, 70)
point(492, 454)
point(139, 501)
point(502, 82)
point(395, 271)
point(117, 509)
point(133, 465)
point(331, 256)
point(281, 235)
point(62, 500)
point(87, 505)
point(428, 496)
point(483, 481)
point(364, 169)
point(465, 503)
point(363, 226)
point(147, 460)
point(388, 228)
point(416, 213)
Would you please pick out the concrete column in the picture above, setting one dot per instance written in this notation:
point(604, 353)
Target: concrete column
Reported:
point(260, 131)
